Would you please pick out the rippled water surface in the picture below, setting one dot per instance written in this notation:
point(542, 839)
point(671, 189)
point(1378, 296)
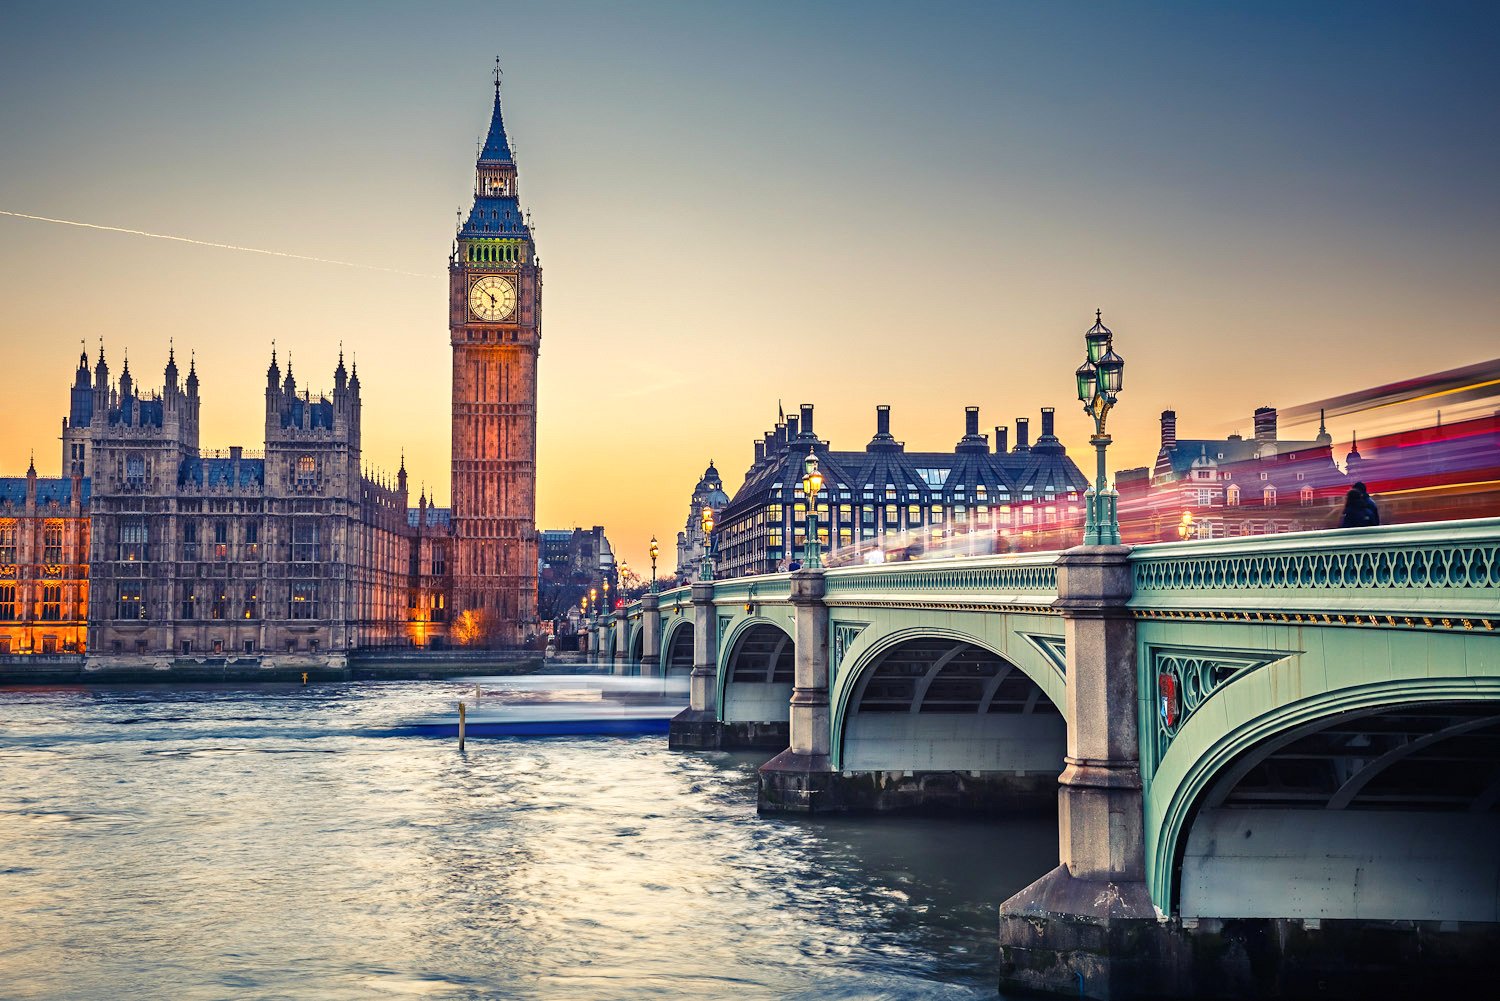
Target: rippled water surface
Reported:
point(278, 842)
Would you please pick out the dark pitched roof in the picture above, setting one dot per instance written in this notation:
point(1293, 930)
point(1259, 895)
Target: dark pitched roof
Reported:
point(49, 491)
point(916, 477)
point(437, 517)
point(496, 145)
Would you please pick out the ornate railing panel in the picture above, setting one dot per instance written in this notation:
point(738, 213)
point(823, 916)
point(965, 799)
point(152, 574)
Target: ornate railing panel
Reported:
point(771, 588)
point(1029, 579)
point(1447, 568)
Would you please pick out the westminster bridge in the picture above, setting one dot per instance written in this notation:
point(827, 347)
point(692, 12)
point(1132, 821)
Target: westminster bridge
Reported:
point(1275, 760)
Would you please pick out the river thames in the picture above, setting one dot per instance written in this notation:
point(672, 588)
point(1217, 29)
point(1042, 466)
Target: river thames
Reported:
point(276, 841)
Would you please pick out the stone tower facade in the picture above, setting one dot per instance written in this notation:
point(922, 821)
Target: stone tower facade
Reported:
point(495, 316)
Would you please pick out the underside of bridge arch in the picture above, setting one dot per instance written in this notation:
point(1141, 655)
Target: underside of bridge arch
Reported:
point(942, 722)
point(1389, 813)
point(677, 658)
point(758, 676)
point(637, 645)
point(757, 689)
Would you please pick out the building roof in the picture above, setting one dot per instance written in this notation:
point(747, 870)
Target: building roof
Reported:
point(915, 477)
point(496, 145)
point(437, 517)
point(54, 490)
point(1223, 451)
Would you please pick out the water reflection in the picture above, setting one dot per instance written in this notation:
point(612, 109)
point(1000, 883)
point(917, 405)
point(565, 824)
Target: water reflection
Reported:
point(265, 841)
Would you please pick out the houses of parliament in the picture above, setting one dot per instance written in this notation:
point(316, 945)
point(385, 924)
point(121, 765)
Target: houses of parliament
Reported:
point(151, 547)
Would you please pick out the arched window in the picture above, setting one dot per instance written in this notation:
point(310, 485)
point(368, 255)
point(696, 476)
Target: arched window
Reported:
point(1232, 496)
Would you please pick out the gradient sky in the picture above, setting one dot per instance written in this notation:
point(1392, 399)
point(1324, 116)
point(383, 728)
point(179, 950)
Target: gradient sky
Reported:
point(918, 205)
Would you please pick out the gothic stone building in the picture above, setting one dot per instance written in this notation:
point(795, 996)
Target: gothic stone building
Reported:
point(290, 553)
point(44, 564)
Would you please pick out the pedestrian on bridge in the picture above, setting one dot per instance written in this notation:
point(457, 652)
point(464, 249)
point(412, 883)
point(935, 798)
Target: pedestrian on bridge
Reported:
point(1359, 509)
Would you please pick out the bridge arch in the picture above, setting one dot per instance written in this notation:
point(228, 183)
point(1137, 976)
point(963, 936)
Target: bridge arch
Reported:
point(944, 700)
point(677, 649)
point(636, 648)
point(755, 678)
point(1394, 786)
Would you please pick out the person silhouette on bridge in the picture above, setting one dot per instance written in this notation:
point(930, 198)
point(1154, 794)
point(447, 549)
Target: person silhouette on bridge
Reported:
point(1359, 509)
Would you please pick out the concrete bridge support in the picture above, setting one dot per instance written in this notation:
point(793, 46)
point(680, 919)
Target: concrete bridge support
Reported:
point(651, 635)
point(696, 728)
point(1082, 923)
point(620, 625)
point(799, 779)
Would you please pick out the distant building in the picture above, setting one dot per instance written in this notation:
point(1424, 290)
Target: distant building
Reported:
point(288, 552)
point(44, 564)
point(573, 561)
point(972, 499)
point(1234, 486)
point(708, 493)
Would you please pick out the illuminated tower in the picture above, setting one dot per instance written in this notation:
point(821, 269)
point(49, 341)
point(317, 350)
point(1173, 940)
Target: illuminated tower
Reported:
point(495, 320)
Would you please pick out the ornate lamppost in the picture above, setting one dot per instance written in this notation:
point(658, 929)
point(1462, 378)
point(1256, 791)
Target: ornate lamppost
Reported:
point(1099, 381)
point(594, 602)
point(1185, 528)
point(706, 572)
point(607, 606)
point(812, 485)
point(654, 551)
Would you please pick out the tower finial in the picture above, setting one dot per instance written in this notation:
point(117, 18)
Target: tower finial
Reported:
point(1098, 316)
point(498, 74)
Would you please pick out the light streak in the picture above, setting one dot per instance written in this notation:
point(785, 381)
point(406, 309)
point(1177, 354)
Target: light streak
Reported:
point(220, 246)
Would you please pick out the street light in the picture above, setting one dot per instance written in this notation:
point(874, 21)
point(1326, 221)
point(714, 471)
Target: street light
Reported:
point(607, 606)
point(654, 550)
point(812, 485)
point(707, 570)
point(1185, 528)
point(1100, 378)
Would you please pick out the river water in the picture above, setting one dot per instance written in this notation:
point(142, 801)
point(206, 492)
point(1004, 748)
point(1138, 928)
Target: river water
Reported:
point(275, 841)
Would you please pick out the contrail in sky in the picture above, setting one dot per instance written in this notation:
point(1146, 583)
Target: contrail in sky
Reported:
point(221, 246)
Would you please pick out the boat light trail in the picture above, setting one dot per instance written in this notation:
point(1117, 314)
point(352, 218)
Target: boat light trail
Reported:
point(220, 246)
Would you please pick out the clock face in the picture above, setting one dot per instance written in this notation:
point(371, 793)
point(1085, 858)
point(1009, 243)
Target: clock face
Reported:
point(492, 298)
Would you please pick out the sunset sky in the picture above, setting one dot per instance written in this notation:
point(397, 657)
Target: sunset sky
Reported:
point(848, 205)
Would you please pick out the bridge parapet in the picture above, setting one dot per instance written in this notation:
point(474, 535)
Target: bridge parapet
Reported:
point(764, 589)
point(1399, 575)
point(991, 582)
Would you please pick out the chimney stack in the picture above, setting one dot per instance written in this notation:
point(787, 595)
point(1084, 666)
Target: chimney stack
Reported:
point(807, 418)
point(1023, 434)
point(1002, 440)
point(971, 422)
point(1265, 424)
point(883, 419)
point(1048, 416)
point(791, 429)
point(1168, 429)
point(760, 452)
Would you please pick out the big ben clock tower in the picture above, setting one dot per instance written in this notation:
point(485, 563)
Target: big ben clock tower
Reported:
point(495, 324)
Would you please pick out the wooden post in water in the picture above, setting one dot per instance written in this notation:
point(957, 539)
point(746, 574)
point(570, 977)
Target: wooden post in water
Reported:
point(462, 711)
